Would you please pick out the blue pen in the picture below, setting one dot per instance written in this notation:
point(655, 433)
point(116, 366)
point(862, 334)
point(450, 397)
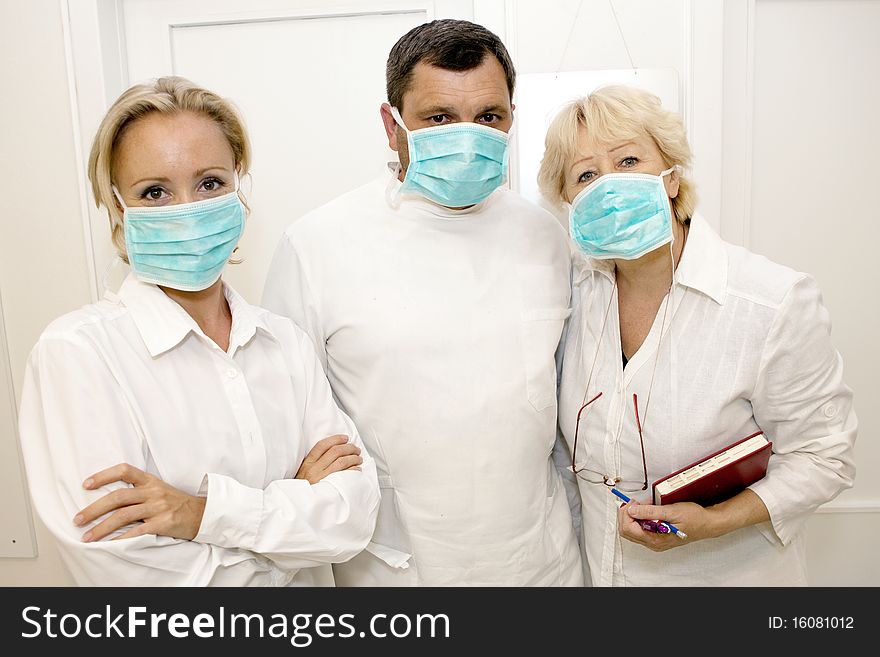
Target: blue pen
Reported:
point(675, 530)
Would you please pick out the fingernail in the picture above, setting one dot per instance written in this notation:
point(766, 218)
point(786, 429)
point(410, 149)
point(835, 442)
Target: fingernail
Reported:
point(633, 511)
point(88, 483)
point(87, 537)
point(78, 520)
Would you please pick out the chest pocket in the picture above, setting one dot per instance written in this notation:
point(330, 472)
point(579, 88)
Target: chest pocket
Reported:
point(541, 330)
point(545, 295)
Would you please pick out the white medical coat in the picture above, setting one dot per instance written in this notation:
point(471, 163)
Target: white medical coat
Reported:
point(438, 329)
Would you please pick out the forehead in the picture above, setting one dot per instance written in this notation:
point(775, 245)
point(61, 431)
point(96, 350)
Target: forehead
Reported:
point(182, 139)
point(434, 86)
point(589, 145)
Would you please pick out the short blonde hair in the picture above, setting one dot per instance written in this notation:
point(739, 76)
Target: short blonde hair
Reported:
point(167, 95)
point(611, 114)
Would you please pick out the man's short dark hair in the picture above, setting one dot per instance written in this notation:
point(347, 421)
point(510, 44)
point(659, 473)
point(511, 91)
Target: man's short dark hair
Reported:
point(450, 44)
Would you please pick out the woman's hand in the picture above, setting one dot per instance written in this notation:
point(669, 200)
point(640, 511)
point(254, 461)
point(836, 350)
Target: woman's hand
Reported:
point(694, 520)
point(697, 522)
point(332, 454)
point(162, 509)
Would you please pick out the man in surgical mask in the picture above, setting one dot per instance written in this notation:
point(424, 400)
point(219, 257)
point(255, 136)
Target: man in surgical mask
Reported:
point(436, 299)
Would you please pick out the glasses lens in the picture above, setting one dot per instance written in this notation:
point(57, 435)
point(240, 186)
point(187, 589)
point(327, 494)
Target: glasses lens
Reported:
point(586, 467)
point(625, 485)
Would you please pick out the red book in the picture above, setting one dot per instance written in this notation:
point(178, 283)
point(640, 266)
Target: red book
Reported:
point(718, 476)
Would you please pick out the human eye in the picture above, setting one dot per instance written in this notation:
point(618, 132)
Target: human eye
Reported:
point(154, 194)
point(488, 118)
point(439, 119)
point(586, 177)
point(629, 162)
point(212, 184)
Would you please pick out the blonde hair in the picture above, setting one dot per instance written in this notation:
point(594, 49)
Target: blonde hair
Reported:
point(167, 95)
point(609, 114)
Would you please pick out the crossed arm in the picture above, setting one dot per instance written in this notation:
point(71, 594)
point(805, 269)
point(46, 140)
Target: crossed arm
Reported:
point(163, 510)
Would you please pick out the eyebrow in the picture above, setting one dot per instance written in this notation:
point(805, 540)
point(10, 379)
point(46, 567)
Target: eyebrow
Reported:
point(162, 179)
point(610, 150)
point(583, 159)
point(437, 109)
point(623, 145)
point(440, 109)
point(493, 108)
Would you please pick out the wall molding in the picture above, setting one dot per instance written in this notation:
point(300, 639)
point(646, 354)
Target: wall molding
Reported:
point(867, 506)
point(94, 41)
point(738, 123)
point(81, 174)
point(17, 537)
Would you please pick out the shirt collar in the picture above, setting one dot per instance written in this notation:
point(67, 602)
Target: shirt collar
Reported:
point(703, 265)
point(245, 320)
point(163, 324)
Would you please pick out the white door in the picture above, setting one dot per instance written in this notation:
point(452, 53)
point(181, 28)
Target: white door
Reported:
point(308, 78)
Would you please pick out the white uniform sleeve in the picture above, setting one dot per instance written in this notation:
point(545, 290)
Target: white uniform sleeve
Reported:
point(74, 421)
point(292, 522)
point(803, 406)
point(288, 293)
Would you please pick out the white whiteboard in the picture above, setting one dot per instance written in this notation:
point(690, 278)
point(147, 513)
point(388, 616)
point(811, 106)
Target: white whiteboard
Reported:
point(16, 527)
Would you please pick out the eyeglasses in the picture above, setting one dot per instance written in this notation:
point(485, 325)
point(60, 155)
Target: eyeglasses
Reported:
point(594, 476)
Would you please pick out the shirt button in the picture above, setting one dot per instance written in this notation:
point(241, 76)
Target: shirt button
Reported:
point(231, 373)
point(830, 410)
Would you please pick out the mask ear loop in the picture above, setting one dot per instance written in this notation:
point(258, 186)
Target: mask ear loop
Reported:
point(393, 197)
point(119, 198)
point(673, 285)
point(395, 113)
point(236, 179)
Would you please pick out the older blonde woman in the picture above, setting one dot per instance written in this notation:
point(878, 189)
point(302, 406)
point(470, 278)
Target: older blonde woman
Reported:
point(679, 344)
point(195, 430)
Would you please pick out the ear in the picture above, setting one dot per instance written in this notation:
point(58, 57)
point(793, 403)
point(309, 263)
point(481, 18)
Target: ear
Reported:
point(391, 127)
point(672, 183)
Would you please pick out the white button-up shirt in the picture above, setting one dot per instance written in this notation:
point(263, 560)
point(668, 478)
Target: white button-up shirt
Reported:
point(746, 346)
point(134, 379)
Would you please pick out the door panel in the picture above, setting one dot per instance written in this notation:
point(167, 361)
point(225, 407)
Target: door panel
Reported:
point(308, 79)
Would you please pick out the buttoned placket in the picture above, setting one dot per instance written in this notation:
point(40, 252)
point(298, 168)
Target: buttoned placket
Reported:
point(611, 550)
point(242, 406)
point(611, 449)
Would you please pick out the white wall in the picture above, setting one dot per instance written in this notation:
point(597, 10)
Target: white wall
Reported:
point(756, 131)
point(800, 99)
point(43, 270)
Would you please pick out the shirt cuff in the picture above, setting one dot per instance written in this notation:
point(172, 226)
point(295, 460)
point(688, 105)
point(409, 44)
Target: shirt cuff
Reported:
point(232, 513)
point(780, 530)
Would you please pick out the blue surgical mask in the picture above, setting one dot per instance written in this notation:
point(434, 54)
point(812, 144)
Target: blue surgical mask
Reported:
point(455, 165)
point(185, 246)
point(622, 215)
